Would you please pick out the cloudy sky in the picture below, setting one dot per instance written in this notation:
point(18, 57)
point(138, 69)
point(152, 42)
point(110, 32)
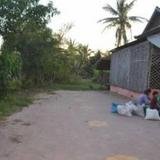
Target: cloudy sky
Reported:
point(84, 14)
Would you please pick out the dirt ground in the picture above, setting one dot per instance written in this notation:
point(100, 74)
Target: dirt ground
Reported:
point(75, 125)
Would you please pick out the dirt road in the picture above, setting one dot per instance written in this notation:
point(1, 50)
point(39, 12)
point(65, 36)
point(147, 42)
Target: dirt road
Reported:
point(72, 125)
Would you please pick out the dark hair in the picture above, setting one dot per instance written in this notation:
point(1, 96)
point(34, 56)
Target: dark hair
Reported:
point(147, 91)
point(155, 93)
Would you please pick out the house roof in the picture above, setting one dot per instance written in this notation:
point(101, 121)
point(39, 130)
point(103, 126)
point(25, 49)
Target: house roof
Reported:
point(148, 31)
point(155, 40)
point(153, 31)
point(149, 25)
point(129, 44)
point(151, 28)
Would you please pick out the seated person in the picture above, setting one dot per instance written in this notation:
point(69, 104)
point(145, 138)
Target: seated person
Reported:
point(154, 101)
point(144, 100)
point(158, 99)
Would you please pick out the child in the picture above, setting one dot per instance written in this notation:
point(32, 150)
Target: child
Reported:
point(154, 101)
point(144, 100)
point(158, 99)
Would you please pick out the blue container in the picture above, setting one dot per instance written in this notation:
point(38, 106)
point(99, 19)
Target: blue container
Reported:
point(114, 108)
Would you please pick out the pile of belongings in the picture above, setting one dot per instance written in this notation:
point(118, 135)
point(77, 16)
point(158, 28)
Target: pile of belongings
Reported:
point(129, 109)
point(126, 109)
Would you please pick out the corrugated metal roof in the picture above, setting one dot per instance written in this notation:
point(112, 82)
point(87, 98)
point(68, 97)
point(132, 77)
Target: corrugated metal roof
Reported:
point(128, 44)
point(155, 13)
point(145, 34)
point(155, 39)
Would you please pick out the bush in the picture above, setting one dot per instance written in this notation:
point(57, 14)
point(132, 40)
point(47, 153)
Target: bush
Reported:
point(10, 71)
point(15, 85)
point(101, 77)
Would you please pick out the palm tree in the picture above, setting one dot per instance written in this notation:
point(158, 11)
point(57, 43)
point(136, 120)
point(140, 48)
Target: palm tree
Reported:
point(121, 20)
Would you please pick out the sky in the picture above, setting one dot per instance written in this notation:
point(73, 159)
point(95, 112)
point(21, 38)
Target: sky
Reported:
point(84, 14)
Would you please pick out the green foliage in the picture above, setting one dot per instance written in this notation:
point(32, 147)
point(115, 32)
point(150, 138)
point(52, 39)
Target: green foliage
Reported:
point(23, 27)
point(14, 102)
point(81, 85)
point(121, 20)
point(15, 14)
point(10, 70)
point(101, 77)
point(37, 51)
point(41, 57)
point(31, 56)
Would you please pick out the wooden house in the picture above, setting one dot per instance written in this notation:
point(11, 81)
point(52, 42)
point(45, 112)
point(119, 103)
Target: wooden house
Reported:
point(136, 65)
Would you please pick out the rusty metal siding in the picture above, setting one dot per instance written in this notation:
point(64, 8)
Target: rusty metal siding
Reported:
point(129, 67)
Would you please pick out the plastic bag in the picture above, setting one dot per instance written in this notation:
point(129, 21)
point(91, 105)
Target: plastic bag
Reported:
point(124, 110)
point(114, 108)
point(152, 114)
point(132, 107)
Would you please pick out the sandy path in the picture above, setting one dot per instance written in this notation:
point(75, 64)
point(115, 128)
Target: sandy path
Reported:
point(78, 126)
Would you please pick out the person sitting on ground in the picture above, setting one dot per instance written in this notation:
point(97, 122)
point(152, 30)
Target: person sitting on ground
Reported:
point(154, 101)
point(144, 100)
point(158, 99)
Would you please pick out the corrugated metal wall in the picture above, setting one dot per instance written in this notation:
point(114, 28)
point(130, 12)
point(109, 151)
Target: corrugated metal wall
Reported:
point(130, 67)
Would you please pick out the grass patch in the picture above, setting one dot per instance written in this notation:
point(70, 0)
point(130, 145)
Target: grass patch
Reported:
point(18, 100)
point(13, 103)
point(84, 85)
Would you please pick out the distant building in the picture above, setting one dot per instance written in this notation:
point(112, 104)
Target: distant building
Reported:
point(136, 65)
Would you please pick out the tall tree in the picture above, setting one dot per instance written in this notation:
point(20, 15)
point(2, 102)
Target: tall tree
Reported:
point(16, 14)
point(23, 26)
point(121, 19)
